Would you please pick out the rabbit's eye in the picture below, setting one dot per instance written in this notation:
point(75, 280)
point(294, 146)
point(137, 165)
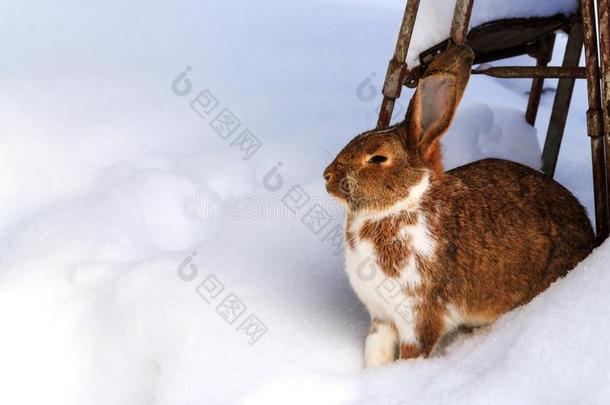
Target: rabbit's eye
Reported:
point(377, 159)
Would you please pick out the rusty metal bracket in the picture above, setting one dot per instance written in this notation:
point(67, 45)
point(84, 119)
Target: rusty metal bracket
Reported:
point(395, 77)
point(594, 123)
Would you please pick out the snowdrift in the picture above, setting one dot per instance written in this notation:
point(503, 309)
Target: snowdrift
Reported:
point(149, 255)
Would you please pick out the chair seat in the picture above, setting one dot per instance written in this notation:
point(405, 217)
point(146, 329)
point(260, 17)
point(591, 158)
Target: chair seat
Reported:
point(498, 39)
point(512, 33)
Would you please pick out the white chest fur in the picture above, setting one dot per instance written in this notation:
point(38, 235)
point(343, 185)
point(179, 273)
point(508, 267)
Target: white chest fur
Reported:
point(379, 293)
point(390, 298)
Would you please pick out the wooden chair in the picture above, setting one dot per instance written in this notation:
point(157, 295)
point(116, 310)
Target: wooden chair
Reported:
point(535, 37)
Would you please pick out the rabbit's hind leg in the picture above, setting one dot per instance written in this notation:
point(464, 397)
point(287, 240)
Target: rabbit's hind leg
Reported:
point(429, 328)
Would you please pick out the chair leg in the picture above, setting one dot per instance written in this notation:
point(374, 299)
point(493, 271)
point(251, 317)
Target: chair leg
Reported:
point(601, 163)
point(397, 68)
point(461, 21)
point(543, 57)
point(561, 104)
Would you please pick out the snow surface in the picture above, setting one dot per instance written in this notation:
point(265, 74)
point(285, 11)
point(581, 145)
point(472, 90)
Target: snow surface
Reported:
point(109, 182)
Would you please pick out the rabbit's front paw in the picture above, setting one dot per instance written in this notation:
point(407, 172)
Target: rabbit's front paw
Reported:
point(380, 345)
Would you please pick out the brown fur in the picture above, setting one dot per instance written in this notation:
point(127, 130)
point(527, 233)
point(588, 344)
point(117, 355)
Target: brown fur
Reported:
point(392, 253)
point(409, 351)
point(503, 232)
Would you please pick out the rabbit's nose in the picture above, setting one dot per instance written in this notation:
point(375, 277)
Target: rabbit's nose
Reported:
point(328, 173)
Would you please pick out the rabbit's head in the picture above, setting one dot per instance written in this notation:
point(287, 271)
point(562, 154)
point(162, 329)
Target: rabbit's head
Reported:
point(380, 167)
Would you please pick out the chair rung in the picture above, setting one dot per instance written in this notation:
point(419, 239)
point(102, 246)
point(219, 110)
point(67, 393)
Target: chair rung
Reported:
point(521, 72)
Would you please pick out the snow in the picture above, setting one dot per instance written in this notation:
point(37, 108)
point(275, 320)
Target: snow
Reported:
point(110, 181)
point(481, 130)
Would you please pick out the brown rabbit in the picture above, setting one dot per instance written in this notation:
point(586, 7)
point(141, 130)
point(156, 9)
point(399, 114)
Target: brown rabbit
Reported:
point(429, 251)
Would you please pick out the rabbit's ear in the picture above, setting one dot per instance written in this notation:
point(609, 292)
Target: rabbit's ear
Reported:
point(436, 99)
